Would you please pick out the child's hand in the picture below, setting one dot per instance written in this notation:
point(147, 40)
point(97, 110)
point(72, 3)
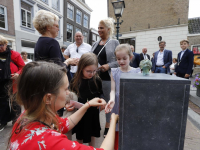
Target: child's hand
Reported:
point(101, 107)
point(69, 107)
point(104, 68)
point(114, 117)
point(14, 76)
point(187, 75)
point(109, 106)
point(97, 102)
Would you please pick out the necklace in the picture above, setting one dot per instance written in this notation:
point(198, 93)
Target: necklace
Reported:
point(102, 43)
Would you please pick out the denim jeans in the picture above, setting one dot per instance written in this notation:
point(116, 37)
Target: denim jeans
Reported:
point(160, 70)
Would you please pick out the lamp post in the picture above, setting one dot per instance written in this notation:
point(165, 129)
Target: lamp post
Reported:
point(118, 9)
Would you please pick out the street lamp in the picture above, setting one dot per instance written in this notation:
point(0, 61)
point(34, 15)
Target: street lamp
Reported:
point(118, 9)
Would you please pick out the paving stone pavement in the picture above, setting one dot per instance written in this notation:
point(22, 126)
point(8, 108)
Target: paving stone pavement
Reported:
point(192, 139)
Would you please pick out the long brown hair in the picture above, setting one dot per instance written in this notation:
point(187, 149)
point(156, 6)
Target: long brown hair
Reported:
point(86, 59)
point(37, 79)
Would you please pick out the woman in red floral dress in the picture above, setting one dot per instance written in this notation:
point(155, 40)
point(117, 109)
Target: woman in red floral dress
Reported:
point(42, 90)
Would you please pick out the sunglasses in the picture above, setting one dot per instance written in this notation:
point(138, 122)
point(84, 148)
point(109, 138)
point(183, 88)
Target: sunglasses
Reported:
point(1, 45)
point(77, 50)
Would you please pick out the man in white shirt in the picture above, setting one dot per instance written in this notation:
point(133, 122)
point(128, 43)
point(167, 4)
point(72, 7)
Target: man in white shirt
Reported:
point(76, 50)
point(162, 59)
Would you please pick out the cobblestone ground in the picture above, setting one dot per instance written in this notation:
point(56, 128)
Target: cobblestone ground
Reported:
point(192, 139)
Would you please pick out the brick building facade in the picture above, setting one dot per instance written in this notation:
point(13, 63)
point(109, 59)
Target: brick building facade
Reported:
point(7, 25)
point(146, 20)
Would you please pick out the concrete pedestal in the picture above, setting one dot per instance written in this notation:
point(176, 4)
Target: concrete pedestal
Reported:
point(153, 112)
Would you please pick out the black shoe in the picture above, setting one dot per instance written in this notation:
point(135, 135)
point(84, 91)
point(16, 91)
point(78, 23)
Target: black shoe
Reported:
point(105, 132)
point(2, 126)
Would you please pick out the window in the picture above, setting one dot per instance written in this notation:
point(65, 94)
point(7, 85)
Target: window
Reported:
point(10, 44)
point(130, 41)
point(98, 38)
point(30, 56)
point(55, 4)
point(77, 29)
point(45, 1)
point(70, 11)
point(85, 21)
point(3, 17)
point(196, 49)
point(26, 15)
point(26, 18)
point(85, 34)
point(78, 16)
point(69, 32)
point(59, 29)
point(94, 37)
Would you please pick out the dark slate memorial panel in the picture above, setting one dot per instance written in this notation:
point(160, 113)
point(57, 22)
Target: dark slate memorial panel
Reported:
point(153, 112)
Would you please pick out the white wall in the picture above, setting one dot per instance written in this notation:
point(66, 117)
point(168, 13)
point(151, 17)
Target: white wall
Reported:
point(149, 38)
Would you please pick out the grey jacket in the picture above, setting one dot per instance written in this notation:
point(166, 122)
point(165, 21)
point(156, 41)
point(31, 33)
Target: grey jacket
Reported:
point(110, 52)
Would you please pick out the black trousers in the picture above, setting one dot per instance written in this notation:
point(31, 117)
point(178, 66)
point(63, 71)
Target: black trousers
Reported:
point(7, 114)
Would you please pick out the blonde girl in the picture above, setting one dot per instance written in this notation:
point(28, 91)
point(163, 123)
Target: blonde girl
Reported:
point(123, 55)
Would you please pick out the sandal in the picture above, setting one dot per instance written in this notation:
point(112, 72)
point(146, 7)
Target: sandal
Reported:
point(105, 132)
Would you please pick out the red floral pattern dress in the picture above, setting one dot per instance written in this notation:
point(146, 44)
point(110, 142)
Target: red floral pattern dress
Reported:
point(37, 136)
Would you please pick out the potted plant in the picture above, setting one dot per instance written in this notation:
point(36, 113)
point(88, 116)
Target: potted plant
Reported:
point(197, 84)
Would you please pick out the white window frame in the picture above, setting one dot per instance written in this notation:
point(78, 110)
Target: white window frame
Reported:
point(80, 16)
point(78, 29)
point(72, 32)
point(58, 7)
point(84, 21)
point(68, 4)
point(85, 37)
point(26, 18)
point(94, 37)
point(45, 1)
point(6, 19)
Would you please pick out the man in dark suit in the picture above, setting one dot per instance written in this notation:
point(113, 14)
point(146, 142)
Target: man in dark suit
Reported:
point(162, 59)
point(185, 61)
point(136, 62)
point(144, 54)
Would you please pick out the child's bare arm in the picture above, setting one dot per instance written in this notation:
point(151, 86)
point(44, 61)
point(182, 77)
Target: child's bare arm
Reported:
point(112, 92)
point(111, 102)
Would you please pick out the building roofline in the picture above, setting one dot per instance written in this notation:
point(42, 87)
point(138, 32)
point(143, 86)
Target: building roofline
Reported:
point(94, 30)
point(154, 28)
point(82, 4)
point(194, 18)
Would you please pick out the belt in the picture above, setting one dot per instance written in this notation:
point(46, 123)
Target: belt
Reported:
point(159, 66)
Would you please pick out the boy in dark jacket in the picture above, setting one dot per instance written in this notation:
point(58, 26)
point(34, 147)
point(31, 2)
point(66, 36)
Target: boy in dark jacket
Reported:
point(185, 61)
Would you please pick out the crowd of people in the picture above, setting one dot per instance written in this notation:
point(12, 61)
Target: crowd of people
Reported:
point(162, 61)
point(91, 72)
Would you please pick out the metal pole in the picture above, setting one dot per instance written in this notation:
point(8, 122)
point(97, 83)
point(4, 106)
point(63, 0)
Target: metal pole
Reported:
point(117, 28)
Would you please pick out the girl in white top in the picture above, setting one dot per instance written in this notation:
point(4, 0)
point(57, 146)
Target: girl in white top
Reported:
point(24, 57)
point(124, 55)
point(172, 66)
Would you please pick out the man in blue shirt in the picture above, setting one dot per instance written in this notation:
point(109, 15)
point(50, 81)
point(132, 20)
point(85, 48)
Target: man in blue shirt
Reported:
point(162, 59)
